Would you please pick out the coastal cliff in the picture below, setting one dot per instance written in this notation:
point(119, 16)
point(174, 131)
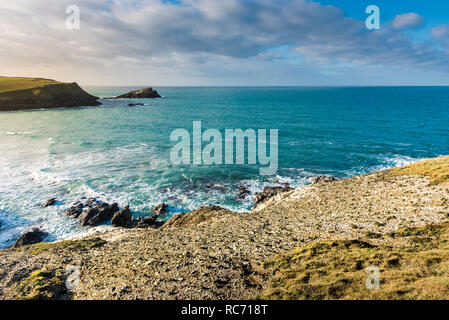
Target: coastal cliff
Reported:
point(36, 93)
point(314, 242)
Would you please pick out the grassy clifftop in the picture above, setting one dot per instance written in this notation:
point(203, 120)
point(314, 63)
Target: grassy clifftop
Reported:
point(34, 93)
point(8, 84)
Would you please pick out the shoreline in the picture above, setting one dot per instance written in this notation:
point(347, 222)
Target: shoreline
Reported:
point(214, 253)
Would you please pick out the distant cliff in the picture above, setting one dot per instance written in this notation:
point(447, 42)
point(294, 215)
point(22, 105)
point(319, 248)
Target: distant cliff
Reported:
point(36, 93)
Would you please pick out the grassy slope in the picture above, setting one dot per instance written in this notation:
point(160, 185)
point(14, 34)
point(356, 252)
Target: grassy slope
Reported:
point(8, 84)
point(337, 269)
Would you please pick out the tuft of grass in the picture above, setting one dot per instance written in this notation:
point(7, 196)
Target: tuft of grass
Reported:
point(8, 84)
point(42, 285)
point(337, 269)
point(66, 245)
point(437, 169)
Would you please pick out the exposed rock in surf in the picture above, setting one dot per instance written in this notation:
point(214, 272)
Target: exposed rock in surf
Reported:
point(214, 186)
point(135, 104)
point(322, 179)
point(32, 236)
point(97, 214)
point(243, 193)
point(92, 212)
point(49, 202)
point(74, 211)
point(139, 94)
point(123, 218)
point(160, 208)
point(269, 192)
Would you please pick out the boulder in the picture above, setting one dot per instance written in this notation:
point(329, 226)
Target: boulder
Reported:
point(148, 222)
point(49, 203)
point(214, 186)
point(322, 179)
point(243, 193)
point(97, 214)
point(32, 236)
point(123, 218)
point(74, 211)
point(141, 93)
point(160, 208)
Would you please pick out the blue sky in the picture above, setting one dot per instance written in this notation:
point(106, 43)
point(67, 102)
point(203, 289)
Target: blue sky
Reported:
point(232, 42)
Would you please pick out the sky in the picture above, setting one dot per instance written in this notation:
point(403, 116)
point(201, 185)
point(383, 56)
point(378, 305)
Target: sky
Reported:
point(226, 42)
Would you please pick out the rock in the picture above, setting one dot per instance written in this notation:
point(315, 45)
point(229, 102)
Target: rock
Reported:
point(97, 214)
point(149, 222)
point(243, 193)
point(322, 179)
point(123, 218)
point(135, 104)
point(33, 236)
point(160, 208)
point(214, 186)
point(49, 203)
point(74, 211)
point(141, 93)
point(269, 192)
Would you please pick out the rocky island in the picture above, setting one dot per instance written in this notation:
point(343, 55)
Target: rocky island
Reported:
point(314, 242)
point(36, 93)
point(147, 93)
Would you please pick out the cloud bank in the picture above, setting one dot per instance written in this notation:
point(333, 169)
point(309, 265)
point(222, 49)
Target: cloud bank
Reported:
point(193, 41)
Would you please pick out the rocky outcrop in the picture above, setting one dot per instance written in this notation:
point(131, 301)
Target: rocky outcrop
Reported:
point(139, 94)
point(49, 202)
point(148, 222)
point(53, 95)
point(123, 218)
point(269, 192)
point(243, 193)
point(160, 208)
point(92, 212)
point(322, 179)
point(99, 214)
point(32, 236)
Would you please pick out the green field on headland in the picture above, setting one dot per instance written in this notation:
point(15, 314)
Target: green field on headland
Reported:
point(8, 84)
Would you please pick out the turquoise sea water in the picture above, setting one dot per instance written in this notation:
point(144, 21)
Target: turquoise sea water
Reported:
point(120, 153)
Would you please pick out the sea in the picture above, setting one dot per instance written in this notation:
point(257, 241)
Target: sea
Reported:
point(121, 153)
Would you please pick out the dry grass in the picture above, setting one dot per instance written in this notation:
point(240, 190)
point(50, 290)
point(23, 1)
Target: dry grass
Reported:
point(437, 169)
point(8, 84)
point(337, 269)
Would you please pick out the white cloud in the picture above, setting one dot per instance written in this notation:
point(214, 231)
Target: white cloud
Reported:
point(136, 41)
point(409, 20)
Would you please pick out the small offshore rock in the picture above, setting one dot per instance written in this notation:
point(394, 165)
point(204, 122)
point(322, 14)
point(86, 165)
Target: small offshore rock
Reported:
point(123, 218)
point(160, 208)
point(141, 93)
point(49, 203)
point(33, 236)
point(243, 193)
point(215, 186)
point(322, 179)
